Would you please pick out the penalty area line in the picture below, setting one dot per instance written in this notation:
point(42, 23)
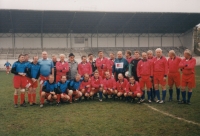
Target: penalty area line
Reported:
point(172, 116)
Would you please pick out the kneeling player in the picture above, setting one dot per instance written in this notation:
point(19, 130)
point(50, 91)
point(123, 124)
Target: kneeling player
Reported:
point(49, 90)
point(96, 85)
point(19, 80)
point(63, 89)
point(109, 85)
point(8, 65)
point(133, 89)
point(120, 86)
point(74, 87)
point(85, 86)
point(188, 75)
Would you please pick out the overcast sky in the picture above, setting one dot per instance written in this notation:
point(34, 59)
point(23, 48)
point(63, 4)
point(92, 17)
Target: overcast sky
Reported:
point(191, 6)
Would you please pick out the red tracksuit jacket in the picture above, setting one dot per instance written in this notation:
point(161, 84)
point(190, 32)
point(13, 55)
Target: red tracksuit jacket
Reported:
point(188, 66)
point(121, 86)
point(109, 83)
point(160, 65)
point(99, 64)
point(96, 82)
point(84, 84)
point(173, 64)
point(84, 68)
point(62, 69)
point(110, 64)
point(133, 87)
point(144, 68)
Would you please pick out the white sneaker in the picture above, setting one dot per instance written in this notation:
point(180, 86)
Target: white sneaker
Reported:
point(161, 102)
point(157, 101)
point(149, 101)
point(41, 105)
point(100, 100)
point(142, 100)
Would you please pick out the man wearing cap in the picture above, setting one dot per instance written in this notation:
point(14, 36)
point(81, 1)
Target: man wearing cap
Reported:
point(73, 67)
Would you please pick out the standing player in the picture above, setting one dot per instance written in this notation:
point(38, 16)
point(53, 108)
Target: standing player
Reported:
point(92, 62)
point(129, 58)
point(85, 86)
point(19, 80)
point(84, 67)
point(187, 66)
point(160, 71)
point(133, 65)
point(54, 59)
point(33, 75)
point(120, 65)
point(150, 58)
point(111, 61)
point(46, 68)
point(26, 60)
point(145, 75)
point(120, 86)
point(62, 67)
point(109, 85)
point(73, 67)
point(174, 74)
point(63, 89)
point(49, 90)
point(96, 85)
point(102, 64)
point(133, 90)
point(74, 86)
point(7, 65)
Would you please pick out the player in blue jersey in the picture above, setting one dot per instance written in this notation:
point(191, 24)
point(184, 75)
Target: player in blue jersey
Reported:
point(49, 91)
point(19, 80)
point(33, 75)
point(63, 86)
point(7, 65)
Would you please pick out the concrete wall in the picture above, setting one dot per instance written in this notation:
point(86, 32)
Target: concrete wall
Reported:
point(103, 40)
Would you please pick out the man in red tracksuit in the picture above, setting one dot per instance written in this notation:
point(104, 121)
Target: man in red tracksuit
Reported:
point(84, 67)
point(150, 58)
point(133, 89)
point(96, 85)
point(120, 86)
point(145, 74)
point(129, 58)
point(174, 74)
point(62, 67)
point(111, 61)
point(102, 64)
point(85, 86)
point(109, 85)
point(160, 71)
point(187, 66)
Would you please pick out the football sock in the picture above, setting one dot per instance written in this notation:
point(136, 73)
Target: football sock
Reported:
point(58, 98)
point(33, 97)
point(163, 95)
point(184, 95)
point(157, 94)
point(189, 96)
point(170, 93)
point(178, 93)
point(100, 95)
point(143, 96)
point(15, 98)
point(22, 95)
point(29, 97)
point(149, 95)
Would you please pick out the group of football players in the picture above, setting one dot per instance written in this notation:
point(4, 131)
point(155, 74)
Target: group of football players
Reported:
point(117, 77)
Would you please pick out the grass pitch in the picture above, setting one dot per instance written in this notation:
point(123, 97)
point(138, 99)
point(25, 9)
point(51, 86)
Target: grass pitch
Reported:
point(94, 118)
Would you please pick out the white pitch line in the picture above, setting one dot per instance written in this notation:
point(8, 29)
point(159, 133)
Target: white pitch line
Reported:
point(170, 115)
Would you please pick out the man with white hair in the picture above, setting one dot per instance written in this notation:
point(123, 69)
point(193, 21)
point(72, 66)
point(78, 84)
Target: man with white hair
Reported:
point(150, 58)
point(174, 74)
point(62, 67)
point(160, 71)
point(120, 65)
point(187, 66)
